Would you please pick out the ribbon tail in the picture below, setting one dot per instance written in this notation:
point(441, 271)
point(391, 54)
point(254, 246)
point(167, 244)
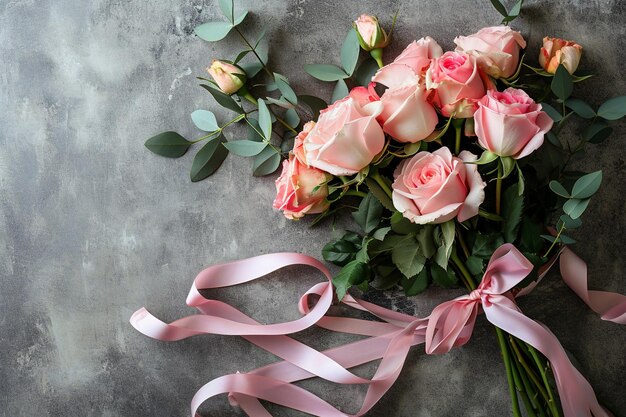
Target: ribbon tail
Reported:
point(577, 396)
point(610, 306)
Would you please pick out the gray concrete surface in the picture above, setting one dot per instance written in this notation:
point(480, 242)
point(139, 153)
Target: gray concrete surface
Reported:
point(93, 226)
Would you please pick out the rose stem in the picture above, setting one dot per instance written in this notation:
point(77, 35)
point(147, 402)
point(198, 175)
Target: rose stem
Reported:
point(531, 374)
point(356, 193)
point(501, 339)
point(381, 182)
point(499, 187)
point(542, 370)
point(523, 388)
point(458, 129)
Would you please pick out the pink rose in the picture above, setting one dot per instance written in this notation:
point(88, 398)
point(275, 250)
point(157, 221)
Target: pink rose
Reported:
point(300, 189)
point(370, 34)
point(436, 187)
point(457, 84)
point(228, 77)
point(557, 51)
point(410, 64)
point(496, 49)
point(510, 123)
point(346, 137)
point(298, 144)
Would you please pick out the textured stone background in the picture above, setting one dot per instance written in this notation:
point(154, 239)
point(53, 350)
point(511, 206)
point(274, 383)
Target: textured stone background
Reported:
point(93, 226)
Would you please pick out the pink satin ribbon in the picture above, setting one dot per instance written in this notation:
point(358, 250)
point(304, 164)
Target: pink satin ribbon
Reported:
point(450, 324)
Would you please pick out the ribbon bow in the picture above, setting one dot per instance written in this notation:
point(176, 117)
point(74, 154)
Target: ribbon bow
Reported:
point(450, 324)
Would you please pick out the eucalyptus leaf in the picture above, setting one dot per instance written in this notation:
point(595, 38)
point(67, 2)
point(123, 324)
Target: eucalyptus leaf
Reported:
point(265, 120)
point(570, 223)
point(613, 109)
point(365, 72)
point(554, 114)
point(254, 130)
point(240, 18)
point(223, 100)
point(227, 9)
point(350, 52)
point(575, 207)
point(562, 83)
point(292, 118)
point(558, 189)
point(587, 185)
point(283, 85)
point(204, 120)
point(314, 103)
point(340, 91)
point(241, 55)
point(266, 162)
point(208, 159)
point(168, 144)
point(252, 69)
point(245, 147)
point(581, 108)
point(597, 132)
point(213, 31)
point(369, 214)
point(499, 7)
point(326, 72)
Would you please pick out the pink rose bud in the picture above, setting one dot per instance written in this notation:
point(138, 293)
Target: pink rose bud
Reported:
point(496, 49)
point(457, 84)
point(510, 123)
point(370, 34)
point(346, 137)
point(557, 51)
point(437, 187)
point(301, 190)
point(229, 78)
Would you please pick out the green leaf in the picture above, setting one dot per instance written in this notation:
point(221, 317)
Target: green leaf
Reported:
point(168, 144)
point(402, 225)
point(292, 118)
point(407, 257)
point(350, 52)
point(508, 164)
point(365, 72)
point(485, 158)
point(554, 114)
point(553, 139)
point(581, 108)
point(426, 241)
point(515, 11)
point(613, 109)
point(381, 233)
point(342, 251)
point(254, 130)
point(223, 100)
point(597, 132)
point(240, 18)
point(363, 253)
point(443, 278)
point(530, 231)
point(227, 9)
point(353, 273)
point(252, 68)
point(265, 120)
point(521, 185)
point(314, 103)
point(369, 213)
point(245, 147)
point(575, 207)
point(558, 189)
point(241, 55)
point(283, 85)
point(266, 162)
point(562, 84)
point(568, 222)
point(444, 238)
point(587, 185)
point(499, 7)
point(208, 159)
point(512, 206)
point(213, 31)
point(415, 285)
point(485, 245)
point(474, 265)
point(204, 120)
point(380, 194)
point(340, 91)
point(326, 72)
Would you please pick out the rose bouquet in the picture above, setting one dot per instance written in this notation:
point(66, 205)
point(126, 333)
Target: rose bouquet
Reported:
point(445, 159)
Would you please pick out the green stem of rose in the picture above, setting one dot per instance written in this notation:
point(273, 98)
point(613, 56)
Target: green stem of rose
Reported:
point(377, 54)
point(499, 186)
point(356, 193)
point(543, 366)
point(469, 282)
point(376, 177)
point(458, 130)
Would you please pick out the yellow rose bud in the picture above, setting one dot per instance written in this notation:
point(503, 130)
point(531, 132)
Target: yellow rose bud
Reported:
point(557, 51)
point(230, 78)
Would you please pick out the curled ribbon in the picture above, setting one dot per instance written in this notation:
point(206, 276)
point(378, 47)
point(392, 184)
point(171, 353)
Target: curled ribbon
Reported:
point(449, 325)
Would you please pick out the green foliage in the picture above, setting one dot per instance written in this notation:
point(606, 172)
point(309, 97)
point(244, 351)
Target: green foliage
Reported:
point(168, 144)
point(407, 257)
point(326, 72)
point(265, 120)
point(512, 206)
point(314, 103)
point(587, 185)
point(283, 85)
point(581, 108)
point(613, 109)
point(415, 285)
point(223, 100)
point(266, 162)
point(444, 239)
point(511, 14)
point(562, 83)
point(342, 251)
point(554, 114)
point(245, 148)
point(365, 71)
point(443, 278)
point(208, 159)
point(340, 91)
point(350, 52)
point(354, 273)
point(213, 31)
point(597, 132)
point(204, 120)
point(379, 193)
point(369, 213)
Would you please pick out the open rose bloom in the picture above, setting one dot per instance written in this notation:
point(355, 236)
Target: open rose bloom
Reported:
point(555, 52)
point(437, 187)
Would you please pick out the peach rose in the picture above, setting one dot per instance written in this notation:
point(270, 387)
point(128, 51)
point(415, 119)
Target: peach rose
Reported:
point(346, 137)
point(557, 51)
point(437, 187)
point(300, 189)
point(455, 79)
point(510, 123)
point(496, 49)
point(228, 77)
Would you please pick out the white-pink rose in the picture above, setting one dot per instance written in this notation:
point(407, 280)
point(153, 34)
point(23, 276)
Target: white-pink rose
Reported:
point(346, 137)
point(437, 187)
point(510, 123)
point(410, 64)
point(496, 49)
point(228, 77)
point(298, 143)
point(555, 52)
point(370, 34)
point(301, 189)
point(457, 84)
